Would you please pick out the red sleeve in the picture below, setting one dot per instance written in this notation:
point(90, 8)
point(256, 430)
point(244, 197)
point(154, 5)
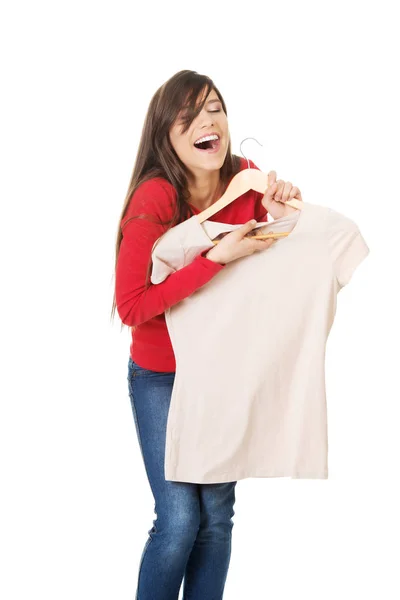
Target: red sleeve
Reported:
point(260, 212)
point(136, 304)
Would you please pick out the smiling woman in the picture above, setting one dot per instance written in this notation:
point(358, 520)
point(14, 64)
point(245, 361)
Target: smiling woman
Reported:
point(186, 108)
point(202, 144)
point(183, 164)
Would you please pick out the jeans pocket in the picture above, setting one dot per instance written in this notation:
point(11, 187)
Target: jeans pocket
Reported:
point(135, 370)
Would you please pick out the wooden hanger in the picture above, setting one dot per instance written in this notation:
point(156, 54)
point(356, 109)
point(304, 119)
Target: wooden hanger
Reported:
point(242, 182)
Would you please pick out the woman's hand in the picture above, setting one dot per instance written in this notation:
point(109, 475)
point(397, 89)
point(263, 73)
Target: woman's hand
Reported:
point(278, 192)
point(236, 245)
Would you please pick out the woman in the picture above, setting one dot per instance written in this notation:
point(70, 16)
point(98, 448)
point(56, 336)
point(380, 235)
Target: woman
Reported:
point(184, 164)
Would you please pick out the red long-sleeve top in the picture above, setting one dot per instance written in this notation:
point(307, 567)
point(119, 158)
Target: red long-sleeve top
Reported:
point(143, 308)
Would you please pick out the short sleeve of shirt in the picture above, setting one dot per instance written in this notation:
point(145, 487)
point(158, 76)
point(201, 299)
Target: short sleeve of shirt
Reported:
point(347, 246)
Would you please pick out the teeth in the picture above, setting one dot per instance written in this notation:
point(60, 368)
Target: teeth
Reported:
point(207, 138)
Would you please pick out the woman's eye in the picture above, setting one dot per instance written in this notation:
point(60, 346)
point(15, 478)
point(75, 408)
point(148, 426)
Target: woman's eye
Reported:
point(219, 110)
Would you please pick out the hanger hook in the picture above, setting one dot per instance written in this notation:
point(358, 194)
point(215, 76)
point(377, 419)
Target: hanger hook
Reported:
point(248, 138)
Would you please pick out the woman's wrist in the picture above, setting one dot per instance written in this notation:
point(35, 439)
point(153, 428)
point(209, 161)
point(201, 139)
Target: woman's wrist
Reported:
point(277, 212)
point(210, 256)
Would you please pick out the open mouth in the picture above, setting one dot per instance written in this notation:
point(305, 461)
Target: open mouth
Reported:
point(209, 146)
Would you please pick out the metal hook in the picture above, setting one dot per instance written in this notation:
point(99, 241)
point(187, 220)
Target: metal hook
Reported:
point(248, 138)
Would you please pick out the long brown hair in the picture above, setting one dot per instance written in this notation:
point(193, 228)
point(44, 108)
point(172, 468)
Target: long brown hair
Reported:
point(157, 158)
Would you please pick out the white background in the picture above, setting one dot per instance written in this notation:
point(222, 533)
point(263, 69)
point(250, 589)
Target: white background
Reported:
point(316, 84)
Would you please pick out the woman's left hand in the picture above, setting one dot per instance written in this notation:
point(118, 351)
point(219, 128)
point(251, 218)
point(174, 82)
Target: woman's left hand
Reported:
point(278, 192)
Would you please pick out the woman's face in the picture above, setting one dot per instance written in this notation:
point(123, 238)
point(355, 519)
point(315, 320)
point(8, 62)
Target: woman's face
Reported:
point(212, 119)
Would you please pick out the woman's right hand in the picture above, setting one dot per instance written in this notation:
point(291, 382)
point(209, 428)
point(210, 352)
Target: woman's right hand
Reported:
point(235, 245)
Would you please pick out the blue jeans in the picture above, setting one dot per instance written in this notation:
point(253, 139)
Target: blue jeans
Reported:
point(191, 537)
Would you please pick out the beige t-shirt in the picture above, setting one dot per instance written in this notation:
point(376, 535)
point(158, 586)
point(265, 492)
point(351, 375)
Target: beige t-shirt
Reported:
point(249, 393)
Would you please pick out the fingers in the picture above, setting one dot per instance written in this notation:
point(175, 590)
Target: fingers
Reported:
point(282, 193)
point(280, 190)
point(295, 193)
point(244, 229)
point(271, 177)
point(286, 191)
point(262, 244)
point(272, 187)
point(253, 245)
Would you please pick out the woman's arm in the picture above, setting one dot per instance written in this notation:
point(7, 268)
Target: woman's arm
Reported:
point(136, 303)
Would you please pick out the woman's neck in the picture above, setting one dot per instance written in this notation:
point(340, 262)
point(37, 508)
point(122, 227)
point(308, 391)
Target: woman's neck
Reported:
point(204, 194)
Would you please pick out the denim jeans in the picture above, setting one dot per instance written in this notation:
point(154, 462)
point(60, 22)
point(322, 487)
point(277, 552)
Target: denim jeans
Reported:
point(191, 537)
